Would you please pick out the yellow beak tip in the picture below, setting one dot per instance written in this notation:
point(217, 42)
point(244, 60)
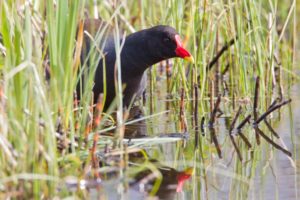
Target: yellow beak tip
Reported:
point(189, 59)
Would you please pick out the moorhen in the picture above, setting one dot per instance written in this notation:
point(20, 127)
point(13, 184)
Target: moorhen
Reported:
point(141, 50)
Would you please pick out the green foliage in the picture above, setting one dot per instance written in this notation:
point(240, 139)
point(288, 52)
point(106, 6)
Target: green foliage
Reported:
point(33, 111)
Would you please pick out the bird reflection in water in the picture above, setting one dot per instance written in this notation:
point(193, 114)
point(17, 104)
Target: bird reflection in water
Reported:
point(146, 176)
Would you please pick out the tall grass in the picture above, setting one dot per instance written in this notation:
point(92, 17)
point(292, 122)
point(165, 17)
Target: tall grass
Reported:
point(35, 112)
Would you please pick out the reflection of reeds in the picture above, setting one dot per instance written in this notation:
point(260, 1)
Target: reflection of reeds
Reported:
point(213, 116)
point(239, 129)
point(230, 133)
point(255, 124)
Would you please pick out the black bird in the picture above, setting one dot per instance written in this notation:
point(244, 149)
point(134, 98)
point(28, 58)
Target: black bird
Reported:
point(141, 50)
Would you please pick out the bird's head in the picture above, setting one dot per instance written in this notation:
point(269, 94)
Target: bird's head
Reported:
point(165, 42)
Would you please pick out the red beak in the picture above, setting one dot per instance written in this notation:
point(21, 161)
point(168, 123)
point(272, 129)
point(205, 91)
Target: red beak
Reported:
point(182, 52)
point(182, 177)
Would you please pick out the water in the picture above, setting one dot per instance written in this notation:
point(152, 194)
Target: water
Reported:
point(264, 173)
point(282, 179)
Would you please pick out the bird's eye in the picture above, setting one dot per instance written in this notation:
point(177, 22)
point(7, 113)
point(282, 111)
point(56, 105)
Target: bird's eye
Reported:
point(166, 39)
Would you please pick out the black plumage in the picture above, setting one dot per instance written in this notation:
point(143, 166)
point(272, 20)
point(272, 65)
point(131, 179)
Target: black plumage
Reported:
point(141, 50)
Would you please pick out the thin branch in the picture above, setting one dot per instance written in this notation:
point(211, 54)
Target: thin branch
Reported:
point(221, 52)
point(214, 112)
point(242, 124)
point(234, 119)
point(272, 109)
point(255, 114)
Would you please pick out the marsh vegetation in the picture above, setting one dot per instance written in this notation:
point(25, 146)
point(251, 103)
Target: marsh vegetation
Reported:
point(223, 127)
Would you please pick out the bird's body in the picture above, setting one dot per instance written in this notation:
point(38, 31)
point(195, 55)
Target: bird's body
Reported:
point(141, 50)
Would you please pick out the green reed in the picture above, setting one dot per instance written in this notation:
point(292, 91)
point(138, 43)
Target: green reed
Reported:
point(43, 33)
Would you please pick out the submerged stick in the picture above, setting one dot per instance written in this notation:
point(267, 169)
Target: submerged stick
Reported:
point(225, 70)
point(234, 119)
point(215, 141)
point(255, 114)
point(230, 133)
point(278, 76)
point(212, 95)
point(271, 129)
point(273, 103)
point(244, 139)
point(236, 148)
point(214, 112)
point(272, 142)
point(256, 95)
point(242, 124)
point(202, 125)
